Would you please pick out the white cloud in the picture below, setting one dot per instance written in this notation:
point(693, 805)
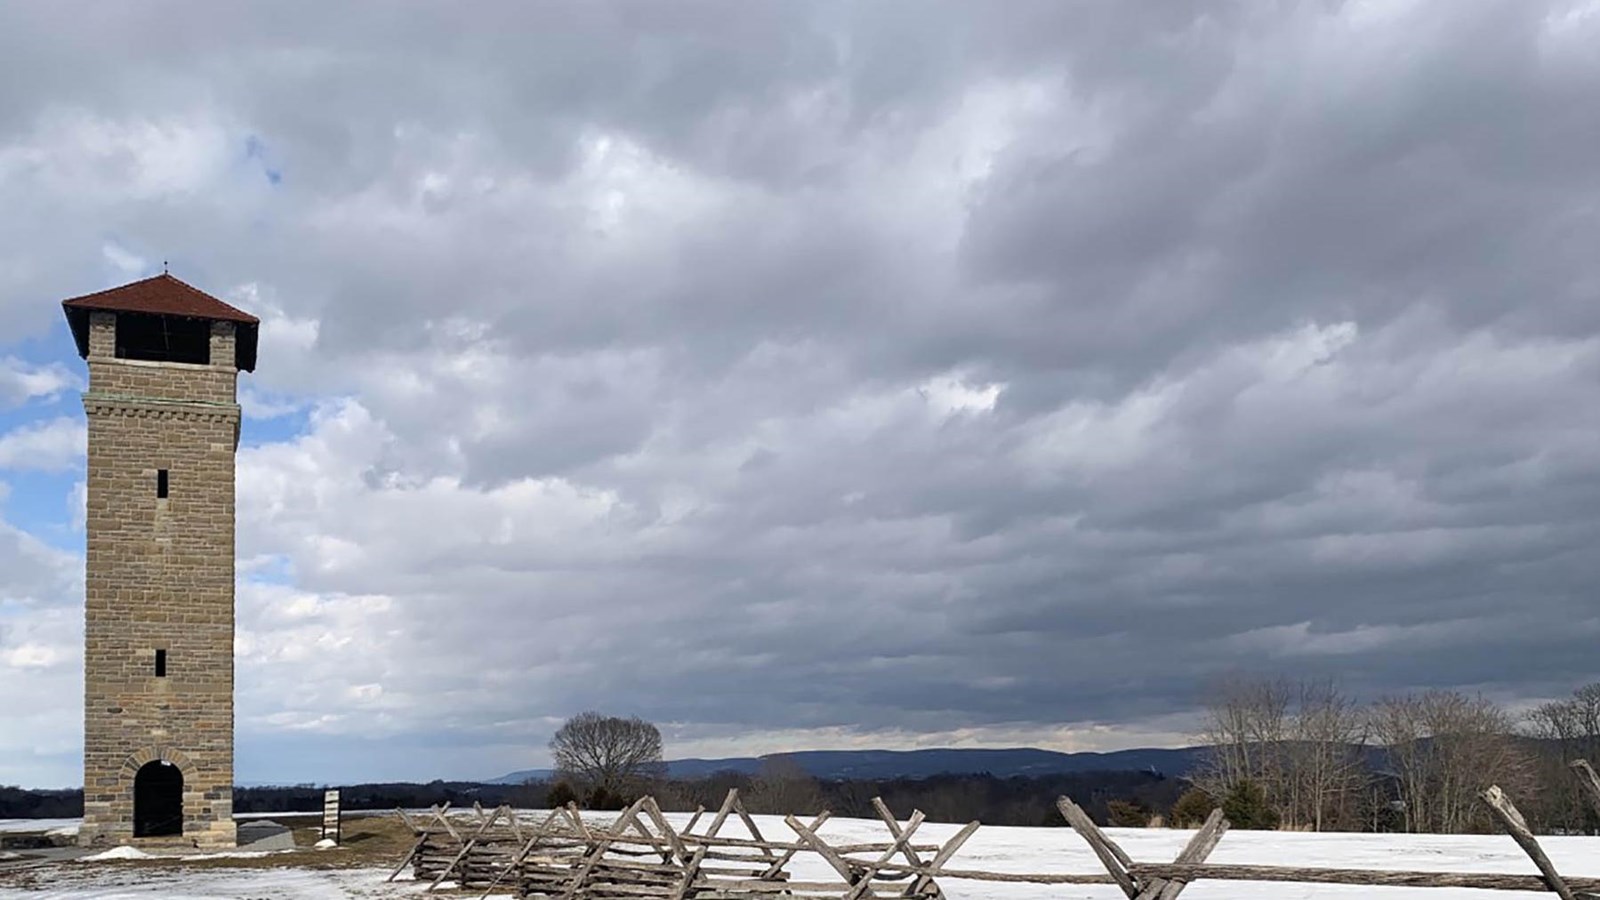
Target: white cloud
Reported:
point(949, 394)
point(50, 446)
point(129, 266)
point(41, 653)
point(32, 656)
point(21, 381)
point(1077, 737)
point(75, 152)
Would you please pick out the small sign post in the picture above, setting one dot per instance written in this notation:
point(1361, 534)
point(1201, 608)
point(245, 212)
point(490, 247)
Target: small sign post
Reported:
point(331, 819)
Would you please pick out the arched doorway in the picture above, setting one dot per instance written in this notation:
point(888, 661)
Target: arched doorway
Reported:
point(158, 800)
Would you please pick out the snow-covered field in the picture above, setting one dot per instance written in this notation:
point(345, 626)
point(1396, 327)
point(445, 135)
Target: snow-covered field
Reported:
point(63, 826)
point(993, 848)
point(113, 882)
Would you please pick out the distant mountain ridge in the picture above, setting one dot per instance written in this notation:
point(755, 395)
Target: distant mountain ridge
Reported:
point(839, 765)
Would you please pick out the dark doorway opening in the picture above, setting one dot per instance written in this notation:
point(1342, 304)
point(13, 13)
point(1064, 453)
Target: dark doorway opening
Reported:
point(158, 800)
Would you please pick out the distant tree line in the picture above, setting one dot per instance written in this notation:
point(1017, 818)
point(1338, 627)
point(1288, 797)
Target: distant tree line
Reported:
point(23, 803)
point(1303, 755)
point(605, 762)
point(779, 788)
point(389, 795)
point(782, 787)
point(1283, 754)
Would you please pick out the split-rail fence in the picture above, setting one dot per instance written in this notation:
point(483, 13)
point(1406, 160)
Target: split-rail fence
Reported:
point(640, 856)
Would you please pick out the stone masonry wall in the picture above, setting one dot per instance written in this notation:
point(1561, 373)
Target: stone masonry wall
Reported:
point(112, 377)
point(166, 381)
point(160, 576)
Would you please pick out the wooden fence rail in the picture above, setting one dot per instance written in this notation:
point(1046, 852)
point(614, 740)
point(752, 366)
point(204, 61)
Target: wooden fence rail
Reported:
point(641, 856)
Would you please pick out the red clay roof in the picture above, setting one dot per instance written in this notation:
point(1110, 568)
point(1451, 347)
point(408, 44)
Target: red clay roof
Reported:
point(162, 295)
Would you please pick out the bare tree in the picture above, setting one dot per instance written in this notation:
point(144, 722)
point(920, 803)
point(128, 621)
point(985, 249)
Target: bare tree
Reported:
point(1299, 742)
point(1396, 723)
point(1443, 748)
point(782, 787)
point(1327, 768)
point(1573, 723)
point(1567, 730)
point(606, 753)
point(1245, 728)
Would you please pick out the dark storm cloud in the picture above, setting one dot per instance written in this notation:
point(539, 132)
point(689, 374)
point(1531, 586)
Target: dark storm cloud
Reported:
point(911, 367)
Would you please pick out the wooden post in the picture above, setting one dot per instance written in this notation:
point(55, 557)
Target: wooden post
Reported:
point(526, 849)
point(1479, 881)
point(829, 855)
point(691, 871)
point(943, 854)
point(406, 819)
point(516, 824)
point(871, 870)
point(694, 819)
point(921, 883)
point(439, 814)
point(779, 862)
point(422, 838)
point(951, 846)
point(597, 849)
point(749, 823)
point(723, 811)
point(1517, 827)
point(576, 818)
point(1111, 856)
point(1199, 847)
point(652, 810)
point(1589, 781)
point(466, 847)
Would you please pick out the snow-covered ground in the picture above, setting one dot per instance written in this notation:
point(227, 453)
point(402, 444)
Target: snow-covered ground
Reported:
point(992, 847)
point(61, 826)
point(114, 882)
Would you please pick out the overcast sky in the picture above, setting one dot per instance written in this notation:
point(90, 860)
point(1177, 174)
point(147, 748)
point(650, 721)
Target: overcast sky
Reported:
point(825, 375)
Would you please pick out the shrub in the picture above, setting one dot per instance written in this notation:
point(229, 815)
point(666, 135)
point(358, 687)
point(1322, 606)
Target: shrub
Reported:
point(600, 798)
point(1246, 807)
point(560, 795)
point(1126, 814)
point(1192, 808)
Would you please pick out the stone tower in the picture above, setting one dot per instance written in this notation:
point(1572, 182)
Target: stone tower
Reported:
point(163, 419)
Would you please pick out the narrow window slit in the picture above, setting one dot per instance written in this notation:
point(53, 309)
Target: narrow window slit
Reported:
point(161, 663)
point(161, 484)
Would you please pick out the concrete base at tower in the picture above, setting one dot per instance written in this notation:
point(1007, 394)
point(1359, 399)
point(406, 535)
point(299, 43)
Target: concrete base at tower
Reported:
point(104, 831)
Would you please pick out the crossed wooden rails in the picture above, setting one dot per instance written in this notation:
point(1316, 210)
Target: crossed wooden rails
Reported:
point(449, 847)
point(641, 857)
point(1149, 882)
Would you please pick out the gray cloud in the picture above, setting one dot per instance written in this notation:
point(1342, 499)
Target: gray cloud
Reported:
point(831, 372)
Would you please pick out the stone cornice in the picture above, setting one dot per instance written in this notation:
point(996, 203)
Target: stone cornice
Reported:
point(98, 360)
point(158, 408)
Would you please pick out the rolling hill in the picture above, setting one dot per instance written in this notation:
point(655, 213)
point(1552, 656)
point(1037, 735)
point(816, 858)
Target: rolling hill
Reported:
point(886, 764)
